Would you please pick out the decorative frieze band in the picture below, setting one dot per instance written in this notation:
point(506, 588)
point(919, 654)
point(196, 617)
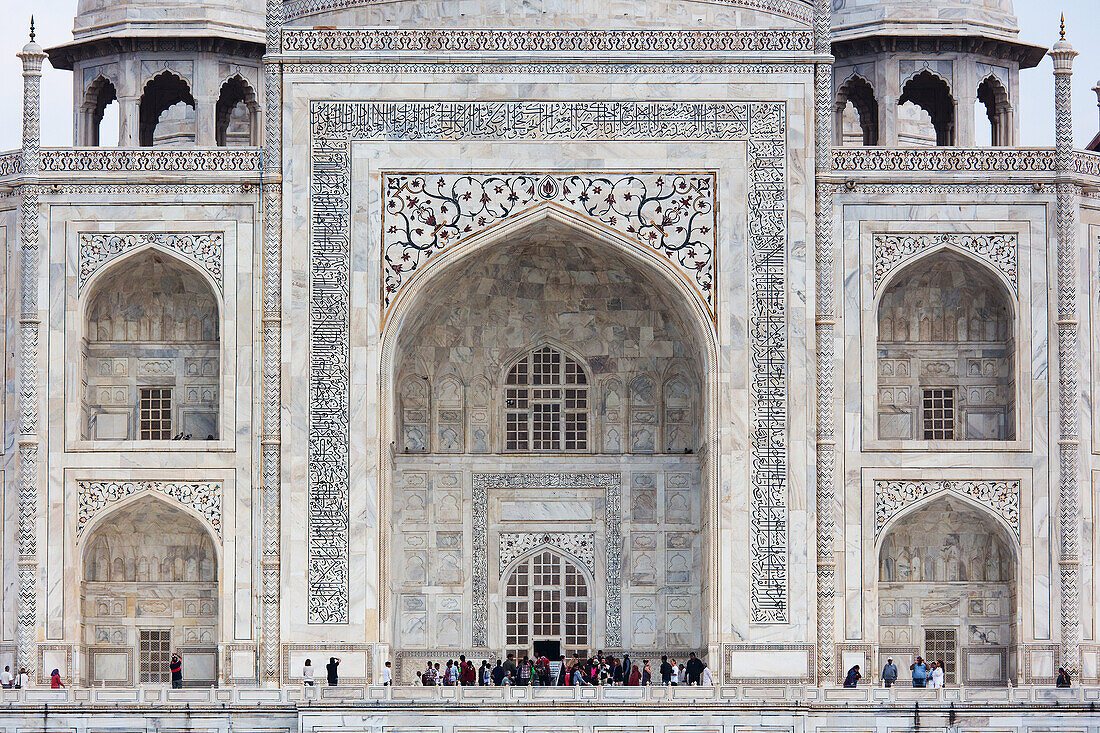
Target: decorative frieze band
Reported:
point(672, 213)
point(667, 41)
point(580, 545)
point(943, 159)
point(10, 163)
point(204, 497)
point(890, 251)
point(100, 160)
point(893, 496)
point(799, 10)
point(96, 249)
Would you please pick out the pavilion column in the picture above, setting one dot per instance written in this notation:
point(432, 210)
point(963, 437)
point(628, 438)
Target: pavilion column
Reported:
point(26, 630)
point(825, 321)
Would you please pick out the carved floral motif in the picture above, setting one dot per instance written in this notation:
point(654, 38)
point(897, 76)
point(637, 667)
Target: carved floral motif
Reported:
point(942, 159)
point(147, 160)
point(889, 251)
point(205, 497)
point(98, 248)
point(671, 213)
point(893, 496)
point(581, 545)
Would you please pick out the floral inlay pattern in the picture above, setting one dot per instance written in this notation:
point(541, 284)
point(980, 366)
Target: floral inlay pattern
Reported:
point(205, 497)
point(893, 496)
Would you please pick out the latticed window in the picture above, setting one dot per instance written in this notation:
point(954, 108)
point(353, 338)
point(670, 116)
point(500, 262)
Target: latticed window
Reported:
point(155, 655)
point(546, 403)
point(546, 599)
point(156, 413)
point(939, 414)
point(940, 645)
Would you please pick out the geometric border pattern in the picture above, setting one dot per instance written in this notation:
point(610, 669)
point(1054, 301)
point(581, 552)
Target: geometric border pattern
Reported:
point(335, 124)
point(892, 496)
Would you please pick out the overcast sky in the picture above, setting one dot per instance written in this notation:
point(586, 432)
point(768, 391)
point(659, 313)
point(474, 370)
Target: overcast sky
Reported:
point(1038, 21)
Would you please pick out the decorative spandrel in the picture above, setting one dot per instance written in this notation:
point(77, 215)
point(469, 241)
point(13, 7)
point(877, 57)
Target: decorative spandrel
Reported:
point(670, 213)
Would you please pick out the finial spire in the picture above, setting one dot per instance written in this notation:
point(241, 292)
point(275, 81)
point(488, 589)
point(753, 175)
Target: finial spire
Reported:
point(32, 29)
point(1062, 30)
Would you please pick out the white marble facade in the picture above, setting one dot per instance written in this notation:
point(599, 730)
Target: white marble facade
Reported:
point(799, 408)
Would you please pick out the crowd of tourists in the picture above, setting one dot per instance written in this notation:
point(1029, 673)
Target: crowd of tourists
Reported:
point(600, 669)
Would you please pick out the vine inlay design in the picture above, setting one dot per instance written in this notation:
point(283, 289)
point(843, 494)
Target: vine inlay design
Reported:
point(890, 251)
point(671, 213)
point(581, 545)
point(205, 497)
point(893, 496)
point(96, 249)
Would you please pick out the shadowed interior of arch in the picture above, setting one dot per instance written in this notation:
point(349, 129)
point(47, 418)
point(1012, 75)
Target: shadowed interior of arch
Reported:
point(150, 580)
point(553, 351)
point(946, 353)
point(151, 352)
point(947, 588)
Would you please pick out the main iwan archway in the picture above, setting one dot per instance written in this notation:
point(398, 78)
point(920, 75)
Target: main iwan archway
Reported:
point(549, 389)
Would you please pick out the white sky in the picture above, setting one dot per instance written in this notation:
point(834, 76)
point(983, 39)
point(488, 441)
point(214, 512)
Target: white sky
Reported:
point(1038, 23)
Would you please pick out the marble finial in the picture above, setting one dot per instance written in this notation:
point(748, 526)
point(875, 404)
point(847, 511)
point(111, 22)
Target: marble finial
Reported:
point(32, 29)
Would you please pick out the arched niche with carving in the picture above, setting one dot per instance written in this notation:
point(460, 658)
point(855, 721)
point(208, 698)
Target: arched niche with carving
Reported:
point(947, 586)
point(945, 358)
point(166, 112)
point(237, 114)
point(856, 113)
point(994, 102)
point(926, 112)
point(151, 351)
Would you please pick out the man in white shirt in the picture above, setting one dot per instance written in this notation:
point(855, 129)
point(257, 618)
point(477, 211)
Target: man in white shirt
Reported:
point(6, 678)
point(387, 674)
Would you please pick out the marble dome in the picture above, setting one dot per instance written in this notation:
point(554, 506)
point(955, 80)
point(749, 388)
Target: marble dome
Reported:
point(240, 19)
point(987, 18)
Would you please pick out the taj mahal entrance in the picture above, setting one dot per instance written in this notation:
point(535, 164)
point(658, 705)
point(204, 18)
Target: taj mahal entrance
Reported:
point(549, 489)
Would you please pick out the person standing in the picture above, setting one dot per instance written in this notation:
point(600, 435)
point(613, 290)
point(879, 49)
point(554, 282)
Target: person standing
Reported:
point(331, 669)
point(853, 677)
point(674, 678)
point(307, 674)
point(1064, 680)
point(499, 674)
point(55, 680)
point(387, 674)
point(647, 673)
point(6, 678)
point(889, 673)
point(920, 672)
point(635, 678)
point(176, 667)
point(23, 680)
point(706, 679)
point(938, 677)
point(694, 669)
point(510, 665)
point(666, 671)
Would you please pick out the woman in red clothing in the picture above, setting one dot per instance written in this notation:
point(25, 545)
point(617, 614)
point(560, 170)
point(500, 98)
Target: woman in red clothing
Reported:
point(635, 678)
point(55, 680)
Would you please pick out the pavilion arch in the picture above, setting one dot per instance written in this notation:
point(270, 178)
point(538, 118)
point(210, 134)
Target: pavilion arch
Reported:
point(151, 324)
point(947, 585)
point(100, 93)
point(858, 93)
point(945, 330)
point(932, 93)
point(160, 94)
point(149, 584)
point(431, 316)
point(994, 99)
point(236, 114)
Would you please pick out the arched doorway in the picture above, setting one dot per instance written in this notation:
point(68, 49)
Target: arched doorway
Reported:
point(149, 589)
point(947, 590)
point(152, 352)
point(549, 361)
point(946, 353)
point(547, 607)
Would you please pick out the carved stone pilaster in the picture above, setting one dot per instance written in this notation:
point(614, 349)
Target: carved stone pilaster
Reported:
point(271, 404)
point(825, 321)
point(1069, 499)
point(26, 634)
